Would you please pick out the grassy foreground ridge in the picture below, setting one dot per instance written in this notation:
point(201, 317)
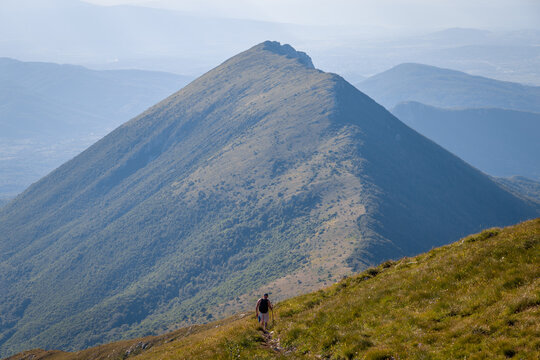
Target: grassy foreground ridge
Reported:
point(476, 298)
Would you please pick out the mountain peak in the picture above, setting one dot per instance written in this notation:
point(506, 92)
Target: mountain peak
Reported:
point(287, 50)
point(261, 175)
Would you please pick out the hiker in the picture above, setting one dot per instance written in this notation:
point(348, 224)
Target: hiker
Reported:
point(263, 305)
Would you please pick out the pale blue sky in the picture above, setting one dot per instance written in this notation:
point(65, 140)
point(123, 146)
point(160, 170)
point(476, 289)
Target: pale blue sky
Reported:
point(353, 36)
point(421, 14)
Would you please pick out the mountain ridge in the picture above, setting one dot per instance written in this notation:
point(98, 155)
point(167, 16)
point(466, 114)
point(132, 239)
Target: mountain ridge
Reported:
point(522, 186)
point(500, 142)
point(288, 51)
point(262, 171)
point(447, 88)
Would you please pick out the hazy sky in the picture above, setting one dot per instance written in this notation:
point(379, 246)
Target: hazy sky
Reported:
point(358, 37)
point(421, 14)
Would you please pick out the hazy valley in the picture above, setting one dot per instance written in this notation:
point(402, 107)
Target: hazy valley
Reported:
point(50, 113)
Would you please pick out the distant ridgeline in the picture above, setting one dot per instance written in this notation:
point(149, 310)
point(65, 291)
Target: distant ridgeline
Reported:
point(264, 174)
point(491, 124)
point(49, 113)
point(522, 186)
point(446, 88)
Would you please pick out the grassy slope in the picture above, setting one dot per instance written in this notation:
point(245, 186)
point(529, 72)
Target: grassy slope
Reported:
point(476, 298)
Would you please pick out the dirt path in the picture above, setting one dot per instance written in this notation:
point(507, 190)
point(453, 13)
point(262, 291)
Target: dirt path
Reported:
point(272, 343)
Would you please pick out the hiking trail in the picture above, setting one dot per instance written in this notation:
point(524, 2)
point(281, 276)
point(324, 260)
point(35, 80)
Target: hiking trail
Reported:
point(272, 343)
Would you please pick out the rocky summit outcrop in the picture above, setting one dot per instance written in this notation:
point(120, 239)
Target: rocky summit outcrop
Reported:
point(264, 173)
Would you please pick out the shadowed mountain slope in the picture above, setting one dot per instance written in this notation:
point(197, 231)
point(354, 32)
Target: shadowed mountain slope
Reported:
point(264, 173)
point(448, 88)
point(477, 297)
point(4, 201)
point(499, 142)
point(522, 186)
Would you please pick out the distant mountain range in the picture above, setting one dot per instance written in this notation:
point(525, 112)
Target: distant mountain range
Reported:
point(264, 174)
point(499, 142)
point(490, 124)
point(448, 89)
point(190, 43)
point(127, 36)
point(52, 112)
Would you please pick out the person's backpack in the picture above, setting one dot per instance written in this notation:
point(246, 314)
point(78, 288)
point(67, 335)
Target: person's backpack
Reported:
point(263, 306)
